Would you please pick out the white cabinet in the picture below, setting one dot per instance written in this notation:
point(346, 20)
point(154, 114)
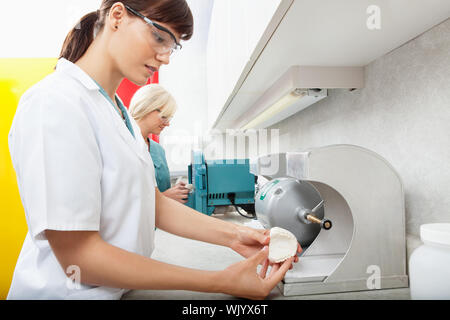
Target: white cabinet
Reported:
point(235, 30)
point(253, 43)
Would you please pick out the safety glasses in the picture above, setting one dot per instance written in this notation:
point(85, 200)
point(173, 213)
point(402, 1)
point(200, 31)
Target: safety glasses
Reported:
point(164, 119)
point(163, 42)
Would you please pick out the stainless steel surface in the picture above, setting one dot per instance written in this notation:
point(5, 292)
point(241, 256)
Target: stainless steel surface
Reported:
point(284, 203)
point(363, 197)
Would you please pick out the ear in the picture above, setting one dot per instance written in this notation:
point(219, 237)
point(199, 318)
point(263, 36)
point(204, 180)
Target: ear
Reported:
point(116, 15)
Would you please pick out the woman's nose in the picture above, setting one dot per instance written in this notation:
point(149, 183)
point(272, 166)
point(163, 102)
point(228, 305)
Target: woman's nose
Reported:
point(163, 57)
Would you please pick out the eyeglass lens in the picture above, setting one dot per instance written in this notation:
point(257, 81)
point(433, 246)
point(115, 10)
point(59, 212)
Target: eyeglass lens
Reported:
point(162, 41)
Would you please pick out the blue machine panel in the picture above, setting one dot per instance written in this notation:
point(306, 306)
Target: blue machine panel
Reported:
point(226, 177)
point(219, 183)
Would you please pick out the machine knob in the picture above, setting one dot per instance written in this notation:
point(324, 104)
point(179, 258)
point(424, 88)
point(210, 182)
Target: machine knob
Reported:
point(326, 224)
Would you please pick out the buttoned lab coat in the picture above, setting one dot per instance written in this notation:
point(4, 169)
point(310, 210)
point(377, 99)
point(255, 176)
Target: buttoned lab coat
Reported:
point(78, 168)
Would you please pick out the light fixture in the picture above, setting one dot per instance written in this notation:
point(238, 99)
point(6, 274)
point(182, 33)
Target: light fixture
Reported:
point(295, 90)
point(288, 105)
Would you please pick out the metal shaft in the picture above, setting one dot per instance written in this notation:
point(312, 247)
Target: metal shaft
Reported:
point(325, 224)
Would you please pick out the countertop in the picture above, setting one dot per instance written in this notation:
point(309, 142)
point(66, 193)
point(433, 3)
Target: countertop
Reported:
point(204, 256)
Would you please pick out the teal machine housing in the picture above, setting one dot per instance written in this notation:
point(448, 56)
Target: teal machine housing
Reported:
point(220, 183)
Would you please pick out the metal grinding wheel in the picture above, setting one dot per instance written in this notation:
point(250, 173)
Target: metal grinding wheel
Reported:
point(293, 205)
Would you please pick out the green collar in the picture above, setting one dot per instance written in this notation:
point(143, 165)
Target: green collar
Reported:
point(125, 117)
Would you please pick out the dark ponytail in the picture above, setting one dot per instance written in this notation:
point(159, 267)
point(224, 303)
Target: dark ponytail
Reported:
point(80, 38)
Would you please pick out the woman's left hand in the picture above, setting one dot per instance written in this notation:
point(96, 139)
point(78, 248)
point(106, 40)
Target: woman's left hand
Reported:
point(249, 241)
point(178, 192)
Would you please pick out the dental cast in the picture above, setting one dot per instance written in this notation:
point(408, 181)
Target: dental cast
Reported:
point(283, 245)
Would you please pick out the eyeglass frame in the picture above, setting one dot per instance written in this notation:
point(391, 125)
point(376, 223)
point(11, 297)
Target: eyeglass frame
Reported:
point(178, 46)
point(164, 119)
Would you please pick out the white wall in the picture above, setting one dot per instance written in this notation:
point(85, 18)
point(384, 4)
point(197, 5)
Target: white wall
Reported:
point(236, 28)
point(203, 74)
point(36, 29)
point(185, 79)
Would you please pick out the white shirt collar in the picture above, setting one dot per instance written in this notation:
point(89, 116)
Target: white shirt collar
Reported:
point(76, 72)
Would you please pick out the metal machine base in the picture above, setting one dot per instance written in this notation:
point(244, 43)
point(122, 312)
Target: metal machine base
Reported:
point(308, 288)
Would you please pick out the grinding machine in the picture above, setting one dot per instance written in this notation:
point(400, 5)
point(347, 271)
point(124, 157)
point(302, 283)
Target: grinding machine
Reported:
point(345, 205)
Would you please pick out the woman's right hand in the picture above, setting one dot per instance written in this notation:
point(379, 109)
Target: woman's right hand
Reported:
point(242, 279)
point(178, 192)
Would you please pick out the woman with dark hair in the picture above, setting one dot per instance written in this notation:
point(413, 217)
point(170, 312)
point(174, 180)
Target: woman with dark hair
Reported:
point(86, 179)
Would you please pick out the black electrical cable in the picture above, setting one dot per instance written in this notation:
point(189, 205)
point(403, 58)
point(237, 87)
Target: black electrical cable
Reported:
point(231, 197)
point(253, 216)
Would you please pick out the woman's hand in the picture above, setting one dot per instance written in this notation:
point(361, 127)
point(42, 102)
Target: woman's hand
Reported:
point(178, 192)
point(249, 241)
point(242, 279)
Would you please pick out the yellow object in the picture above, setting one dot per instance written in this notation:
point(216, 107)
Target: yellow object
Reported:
point(16, 76)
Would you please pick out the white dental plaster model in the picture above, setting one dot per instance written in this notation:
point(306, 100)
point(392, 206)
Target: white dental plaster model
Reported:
point(283, 245)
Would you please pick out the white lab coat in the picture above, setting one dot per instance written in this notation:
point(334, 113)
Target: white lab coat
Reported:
point(78, 168)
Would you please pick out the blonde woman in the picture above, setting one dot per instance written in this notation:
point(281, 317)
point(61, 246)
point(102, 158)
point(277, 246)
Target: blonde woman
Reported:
point(152, 107)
